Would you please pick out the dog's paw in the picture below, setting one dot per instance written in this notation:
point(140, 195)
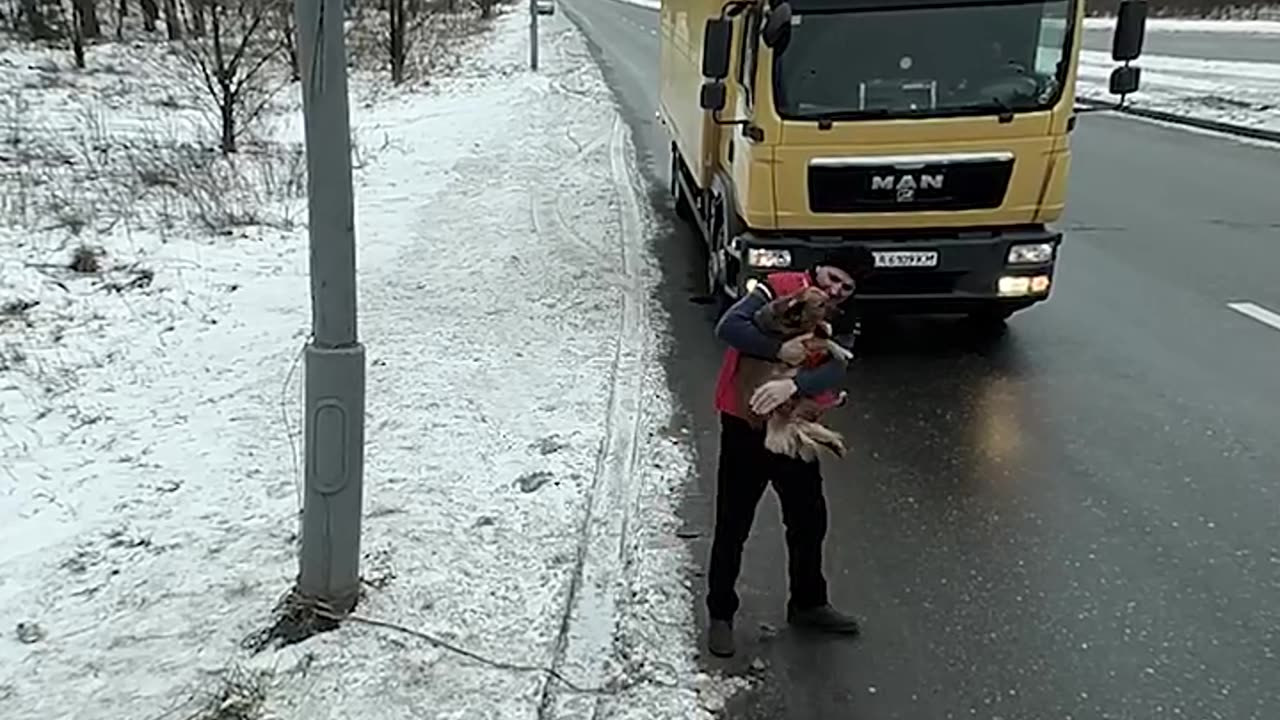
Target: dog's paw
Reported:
point(776, 443)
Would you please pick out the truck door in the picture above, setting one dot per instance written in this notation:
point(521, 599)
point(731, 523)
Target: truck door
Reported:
point(739, 145)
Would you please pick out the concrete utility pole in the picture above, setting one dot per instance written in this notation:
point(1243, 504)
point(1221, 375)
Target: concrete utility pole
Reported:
point(333, 440)
point(533, 34)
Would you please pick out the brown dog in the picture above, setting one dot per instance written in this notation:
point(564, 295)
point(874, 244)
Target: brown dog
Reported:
point(792, 428)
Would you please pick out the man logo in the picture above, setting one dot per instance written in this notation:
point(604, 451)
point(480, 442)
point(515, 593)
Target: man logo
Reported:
point(905, 186)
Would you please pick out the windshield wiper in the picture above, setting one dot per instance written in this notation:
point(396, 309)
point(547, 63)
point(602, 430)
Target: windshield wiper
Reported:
point(1005, 108)
point(844, 114)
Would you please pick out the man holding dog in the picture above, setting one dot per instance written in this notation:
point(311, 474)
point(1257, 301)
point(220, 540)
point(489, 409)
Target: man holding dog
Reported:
point(746, 467)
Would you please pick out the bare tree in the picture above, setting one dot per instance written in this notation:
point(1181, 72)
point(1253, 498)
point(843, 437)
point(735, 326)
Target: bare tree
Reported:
point(78, 32)
point(90, 28)
point(172, 21)
point(234, 62)
point(42, 20)
point(198, 10)
point(415, 24)
point(150, 14)
point(289, 36)
point(396, 39)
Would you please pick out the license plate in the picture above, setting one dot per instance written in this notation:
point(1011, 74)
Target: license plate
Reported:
point(906, 258)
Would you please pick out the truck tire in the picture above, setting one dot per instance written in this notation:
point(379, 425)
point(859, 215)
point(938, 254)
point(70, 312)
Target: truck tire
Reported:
point(716, 296)
point(725, 225)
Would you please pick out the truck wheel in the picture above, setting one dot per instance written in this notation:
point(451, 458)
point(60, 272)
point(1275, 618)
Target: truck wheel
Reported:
point(713, 295)
point(719, 269)
point(714, 277)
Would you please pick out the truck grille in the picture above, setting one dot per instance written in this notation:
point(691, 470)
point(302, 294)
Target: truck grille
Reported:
point(975, 181)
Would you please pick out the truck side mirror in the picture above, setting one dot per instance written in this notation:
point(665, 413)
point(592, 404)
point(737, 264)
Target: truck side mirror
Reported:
point(716, 39)
point(1131, 26)
point(1124, 80)
point(777, 28)
point(712, 96)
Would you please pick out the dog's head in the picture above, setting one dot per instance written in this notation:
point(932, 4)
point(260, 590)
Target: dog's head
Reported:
point(795, 314)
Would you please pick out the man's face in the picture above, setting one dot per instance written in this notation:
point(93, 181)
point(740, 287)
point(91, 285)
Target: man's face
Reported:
point(838, 284)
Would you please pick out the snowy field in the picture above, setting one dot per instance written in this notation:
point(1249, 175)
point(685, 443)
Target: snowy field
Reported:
point(520, 479)
point(1239, 93)
point(1195, 25)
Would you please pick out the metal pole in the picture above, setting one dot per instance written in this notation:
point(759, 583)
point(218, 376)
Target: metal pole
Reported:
point(333, 440)
point(533, 34)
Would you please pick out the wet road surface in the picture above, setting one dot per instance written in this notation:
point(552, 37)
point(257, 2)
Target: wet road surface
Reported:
point(1079, 519)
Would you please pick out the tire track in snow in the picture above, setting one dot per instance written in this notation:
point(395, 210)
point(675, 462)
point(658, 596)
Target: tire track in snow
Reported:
point(585, 644)
point(544, 199)
point(545, 207)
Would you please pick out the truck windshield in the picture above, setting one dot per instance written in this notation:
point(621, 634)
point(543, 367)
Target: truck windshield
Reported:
point(927, 59)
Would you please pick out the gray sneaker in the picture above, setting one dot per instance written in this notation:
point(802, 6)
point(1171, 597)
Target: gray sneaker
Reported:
point(824, 619)
point(720, 638)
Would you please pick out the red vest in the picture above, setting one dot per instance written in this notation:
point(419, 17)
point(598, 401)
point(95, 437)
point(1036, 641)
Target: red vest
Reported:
point(781, 283)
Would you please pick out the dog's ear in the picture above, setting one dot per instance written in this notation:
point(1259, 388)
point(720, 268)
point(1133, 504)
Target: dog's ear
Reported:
point(794, 309)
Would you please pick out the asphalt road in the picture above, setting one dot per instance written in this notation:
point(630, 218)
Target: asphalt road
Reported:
point(1079, 519)
point(1215, 45)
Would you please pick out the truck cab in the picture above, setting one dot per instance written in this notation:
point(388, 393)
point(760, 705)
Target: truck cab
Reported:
point(935, 133)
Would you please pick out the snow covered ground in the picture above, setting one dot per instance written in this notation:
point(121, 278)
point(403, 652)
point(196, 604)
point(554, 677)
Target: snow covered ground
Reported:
point(1239, 93)
point(1195, 25)
point(520, 481)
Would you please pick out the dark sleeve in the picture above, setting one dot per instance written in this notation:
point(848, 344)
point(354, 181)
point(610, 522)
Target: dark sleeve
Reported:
point(827, 376)
point(738, 328)
point(847, 321)
point(846, 328)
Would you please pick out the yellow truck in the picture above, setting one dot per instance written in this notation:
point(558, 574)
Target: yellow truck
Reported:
point(932, 132)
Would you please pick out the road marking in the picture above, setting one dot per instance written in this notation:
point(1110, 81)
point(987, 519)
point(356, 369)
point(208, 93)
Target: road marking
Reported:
point(1257, 312)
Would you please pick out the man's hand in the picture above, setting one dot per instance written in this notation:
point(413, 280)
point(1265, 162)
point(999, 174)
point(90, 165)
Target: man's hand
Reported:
point(770, 395)
point(793, 351)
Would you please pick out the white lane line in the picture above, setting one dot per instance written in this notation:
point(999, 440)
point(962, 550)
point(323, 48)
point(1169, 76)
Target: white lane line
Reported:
point(1257, 312)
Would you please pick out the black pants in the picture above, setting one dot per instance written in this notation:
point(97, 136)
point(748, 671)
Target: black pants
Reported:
point(746, 467)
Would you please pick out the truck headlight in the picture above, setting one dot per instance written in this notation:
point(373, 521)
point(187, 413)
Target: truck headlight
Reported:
point(1018, 286)
point(1030, 254)
point(766, 258)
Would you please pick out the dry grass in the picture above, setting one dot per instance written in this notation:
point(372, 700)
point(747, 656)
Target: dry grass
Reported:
point(437, 38)
point(83, 174)
point(238, 694)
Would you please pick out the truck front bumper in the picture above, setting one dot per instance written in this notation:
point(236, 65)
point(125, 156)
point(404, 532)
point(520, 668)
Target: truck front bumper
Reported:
point(952, 272)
